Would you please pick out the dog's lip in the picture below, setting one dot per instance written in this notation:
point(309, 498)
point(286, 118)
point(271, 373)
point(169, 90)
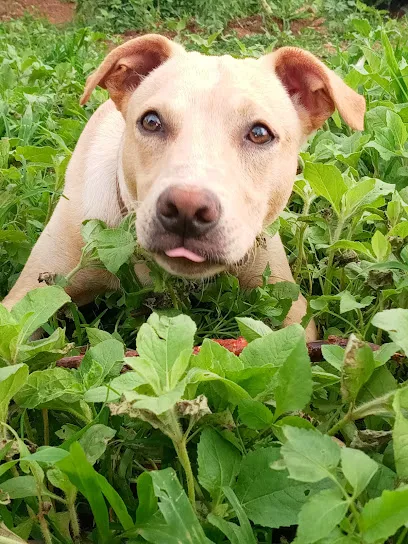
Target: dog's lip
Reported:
point(185, 253)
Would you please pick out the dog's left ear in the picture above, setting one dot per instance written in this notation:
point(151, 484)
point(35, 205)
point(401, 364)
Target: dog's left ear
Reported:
point(315, 90)
point(125, 67)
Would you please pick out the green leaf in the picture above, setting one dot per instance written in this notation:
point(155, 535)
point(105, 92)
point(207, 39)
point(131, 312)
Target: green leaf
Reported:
point(49, 388)
point(358, 468)
point(274, 348)
point(334, 355)
point(359, 247)
point(109, 358)
point(294, 380)
point(44, 351)
point(230, 391)
point(115, 389)
point(326, 180)
point(255, 414)
point(12, 379)
point(269, 497)
point(95, 441)
point(115, 247)
point(383, 516)
point(245, 526)
point(31, 153)
point(309, 455)
point(47, 454)
point(358, 365)
point(395, 322)
point(176, 509)
point(320, 515)
point(400, 440)
point(116, 502)
point(232, 531)
point(218, 462)
point(147, 499)
point(83, 476)
point(20, 487)
point(381, 246)
point(156, 405)
point(348, 302)
point(251, 329)
point(37, 307)
point(162, 339)
point(216, 358)
point(96, 336)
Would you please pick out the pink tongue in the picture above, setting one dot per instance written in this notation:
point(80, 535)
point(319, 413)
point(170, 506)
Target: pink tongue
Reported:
point(183, 252)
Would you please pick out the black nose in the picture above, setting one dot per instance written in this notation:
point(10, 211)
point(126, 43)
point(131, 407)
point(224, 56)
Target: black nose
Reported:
point(188, 211)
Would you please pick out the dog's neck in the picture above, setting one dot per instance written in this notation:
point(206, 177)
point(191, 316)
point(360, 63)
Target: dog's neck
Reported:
point(123, 197)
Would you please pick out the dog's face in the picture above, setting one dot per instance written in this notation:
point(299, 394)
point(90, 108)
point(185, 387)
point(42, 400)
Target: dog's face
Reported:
point(211, 143)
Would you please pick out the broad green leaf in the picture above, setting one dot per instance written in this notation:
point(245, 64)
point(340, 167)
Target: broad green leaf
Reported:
point(95, 441)
point(12, 379)
point(395, 322)
point(348, 302)
point(218, 462)
point(359, 247)
point(231, 391)
point(274, 348)
point(216, 358)
point(269, 497)
point(257, 381)
point(251, 329)
point(46, 350)
point(400, 229)
point(147, 499)
point(31, 153)
point(109, 358)
point(400, 440)
point(176, 509)
point(41, 304)
point(358, 468)
point(326, 180)
point(356, 196)
point(162, 339)
point(20, 487)
point(180, 367)
point(334, 355)
point(309, 455)
point(383, 516)
point(294, 380)
point(9, 331)
point(145, 372)
point(115, 247)
point(358, 365)
point(381, 246)
point(255, 414)
point(83, 476)
point(116, 387)
point(49, 388)
point(320, 515)
point(156, 405)
point(10, 537)
point(96, 336)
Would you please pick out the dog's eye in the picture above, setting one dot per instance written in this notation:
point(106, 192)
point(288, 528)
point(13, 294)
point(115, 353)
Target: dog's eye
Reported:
point(260, 134)
point(151, 122)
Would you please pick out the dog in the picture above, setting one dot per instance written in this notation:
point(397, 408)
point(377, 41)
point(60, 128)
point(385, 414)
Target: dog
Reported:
point(204, 148)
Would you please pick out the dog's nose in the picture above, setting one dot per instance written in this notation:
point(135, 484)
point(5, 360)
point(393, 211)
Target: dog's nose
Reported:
point(188, 211)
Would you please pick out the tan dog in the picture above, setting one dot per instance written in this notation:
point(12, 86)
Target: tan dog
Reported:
point(204, 147)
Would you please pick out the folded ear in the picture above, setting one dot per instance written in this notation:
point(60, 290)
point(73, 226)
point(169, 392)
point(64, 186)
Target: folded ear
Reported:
point(125, 67)
point(315, 90)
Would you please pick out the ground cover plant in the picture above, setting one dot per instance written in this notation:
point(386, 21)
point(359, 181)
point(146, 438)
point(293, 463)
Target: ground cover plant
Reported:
point(208, 445)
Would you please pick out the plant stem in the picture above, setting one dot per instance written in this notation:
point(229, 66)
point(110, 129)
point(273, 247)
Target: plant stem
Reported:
point(342, 422)
point(182, 453)
point(76, 531)
point(46, 427)
point(301, 251)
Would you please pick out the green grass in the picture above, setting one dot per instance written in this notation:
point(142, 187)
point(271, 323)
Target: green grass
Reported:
point(346, 234)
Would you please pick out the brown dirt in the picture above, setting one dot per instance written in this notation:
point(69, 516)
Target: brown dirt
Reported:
point(55, 11)
point(249, 26)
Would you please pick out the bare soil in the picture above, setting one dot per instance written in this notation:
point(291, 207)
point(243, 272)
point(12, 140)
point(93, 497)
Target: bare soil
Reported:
point(56, 11)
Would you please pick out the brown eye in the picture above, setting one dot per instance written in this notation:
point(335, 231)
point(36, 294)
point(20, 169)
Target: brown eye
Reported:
point(151, 122)
point(260, 134)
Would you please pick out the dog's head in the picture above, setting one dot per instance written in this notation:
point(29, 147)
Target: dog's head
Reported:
point(211, 143)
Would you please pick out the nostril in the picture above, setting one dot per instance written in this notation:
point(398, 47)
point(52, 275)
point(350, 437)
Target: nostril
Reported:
point(204, 215)
point(170, 211)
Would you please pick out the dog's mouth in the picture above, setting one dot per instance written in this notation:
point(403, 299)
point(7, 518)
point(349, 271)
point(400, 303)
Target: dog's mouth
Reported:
point(184, 253)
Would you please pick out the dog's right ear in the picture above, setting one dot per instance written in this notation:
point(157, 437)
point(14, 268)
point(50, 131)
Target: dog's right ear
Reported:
point(125, 67)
